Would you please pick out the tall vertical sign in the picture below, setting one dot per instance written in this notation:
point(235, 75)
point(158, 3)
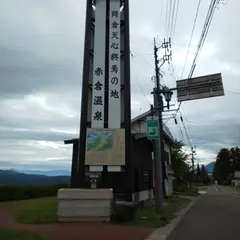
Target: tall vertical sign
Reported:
point(114, 94)
point(106, 100)
point(98, 79)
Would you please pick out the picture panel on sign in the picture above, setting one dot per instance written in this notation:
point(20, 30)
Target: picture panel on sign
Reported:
point(105, 147)
point(98, 84)
point(114, 103)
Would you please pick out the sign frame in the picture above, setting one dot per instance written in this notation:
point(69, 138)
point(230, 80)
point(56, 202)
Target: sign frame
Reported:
point(200, 87)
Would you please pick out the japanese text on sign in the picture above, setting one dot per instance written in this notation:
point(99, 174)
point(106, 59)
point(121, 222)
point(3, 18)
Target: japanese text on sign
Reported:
point(114, 112)
point(98, 79)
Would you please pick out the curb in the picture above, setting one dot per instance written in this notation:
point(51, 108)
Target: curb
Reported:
point(163, 232)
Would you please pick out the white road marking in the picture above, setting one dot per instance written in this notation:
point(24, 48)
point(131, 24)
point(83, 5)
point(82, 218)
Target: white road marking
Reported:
point(223, 189)
point(215, 188)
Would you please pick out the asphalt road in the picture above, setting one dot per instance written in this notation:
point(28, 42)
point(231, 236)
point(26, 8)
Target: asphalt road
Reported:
point(216, 215)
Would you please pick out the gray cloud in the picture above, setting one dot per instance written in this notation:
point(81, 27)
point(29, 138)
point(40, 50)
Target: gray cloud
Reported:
point(41, 50)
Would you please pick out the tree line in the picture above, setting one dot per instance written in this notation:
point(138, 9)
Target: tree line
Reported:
point(184, 174)
point(227, 163)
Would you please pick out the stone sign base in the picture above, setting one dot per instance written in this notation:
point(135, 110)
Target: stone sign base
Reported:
point(84, 205)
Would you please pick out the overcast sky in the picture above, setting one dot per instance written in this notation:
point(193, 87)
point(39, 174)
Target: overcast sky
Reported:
point(41, 52)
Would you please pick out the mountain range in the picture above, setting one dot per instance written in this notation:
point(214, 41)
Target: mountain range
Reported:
point(49, 173)
point(209, 167)
point(17, 178)
point(22, 177)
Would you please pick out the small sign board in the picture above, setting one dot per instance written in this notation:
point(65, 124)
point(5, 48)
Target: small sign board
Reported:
point(200, 87)
point(93, 174)
point(152, 128)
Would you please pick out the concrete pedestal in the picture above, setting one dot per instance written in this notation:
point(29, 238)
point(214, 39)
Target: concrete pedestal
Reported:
point(78, 205)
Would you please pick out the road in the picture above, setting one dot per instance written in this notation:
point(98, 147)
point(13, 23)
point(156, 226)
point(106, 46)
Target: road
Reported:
point(216, 215)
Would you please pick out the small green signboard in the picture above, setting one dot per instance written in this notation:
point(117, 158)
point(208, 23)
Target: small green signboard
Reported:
point(152, 128)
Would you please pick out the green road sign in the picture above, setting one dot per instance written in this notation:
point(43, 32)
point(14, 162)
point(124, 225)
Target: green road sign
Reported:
point(152, 128)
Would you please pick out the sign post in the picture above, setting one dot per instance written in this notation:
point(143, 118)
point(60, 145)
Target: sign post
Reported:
point(152, 128)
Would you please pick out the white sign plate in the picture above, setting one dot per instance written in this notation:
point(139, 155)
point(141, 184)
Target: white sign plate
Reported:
point(114, 98)
point(98, 84)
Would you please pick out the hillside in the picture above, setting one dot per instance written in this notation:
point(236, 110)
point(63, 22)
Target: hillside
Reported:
point(15, 178)
point(45, 172)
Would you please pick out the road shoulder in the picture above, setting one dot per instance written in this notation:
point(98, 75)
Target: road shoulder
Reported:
point(163, 232)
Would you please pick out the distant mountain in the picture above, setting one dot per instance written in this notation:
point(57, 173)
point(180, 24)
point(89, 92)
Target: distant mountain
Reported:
point(210, 167)
point(46, 173)
point(16, 178)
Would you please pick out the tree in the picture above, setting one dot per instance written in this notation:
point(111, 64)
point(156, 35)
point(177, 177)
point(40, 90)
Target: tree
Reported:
point(178, 159)
point(235, 159)
point(198, 173)
point(204, 175)
point(222, 171)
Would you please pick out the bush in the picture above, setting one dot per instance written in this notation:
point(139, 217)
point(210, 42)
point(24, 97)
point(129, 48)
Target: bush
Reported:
point(14, 192)
point(123, 213)
point(184, 190)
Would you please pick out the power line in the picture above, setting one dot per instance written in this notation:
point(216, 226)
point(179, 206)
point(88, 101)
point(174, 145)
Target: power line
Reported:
point(161, 15)
point(175, 21)
point(190, 41)
point(166, 18)
point(172, 20)
point(185, 129)
point(134, 55)
point(205, 31)
point(233, 92)
point(169, 19)
point(189, 128)
point(140, 85)
point(172, 116)
point(181, 136)
point(172, 9)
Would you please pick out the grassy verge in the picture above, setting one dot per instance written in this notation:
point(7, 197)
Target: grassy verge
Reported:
point(9, 234)
point(237, 188)
point(42, 211)
point(34, 211)
point(184, 190)
point(202, 188)
point(150, 219)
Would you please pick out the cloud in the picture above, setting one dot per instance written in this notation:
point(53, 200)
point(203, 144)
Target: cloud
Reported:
point(41, 52)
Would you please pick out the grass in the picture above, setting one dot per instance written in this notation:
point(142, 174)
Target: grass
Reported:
point(9, 234)
point(183, 190)
point(175, 204)
point(202, 188)
point(34, 211)
point(150, 219)
point(44, 210)
point(237, 188)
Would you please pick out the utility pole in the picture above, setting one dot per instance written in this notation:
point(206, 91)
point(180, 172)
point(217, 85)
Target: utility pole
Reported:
point(159, 156)
point(192, 177)
point(157, 174)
